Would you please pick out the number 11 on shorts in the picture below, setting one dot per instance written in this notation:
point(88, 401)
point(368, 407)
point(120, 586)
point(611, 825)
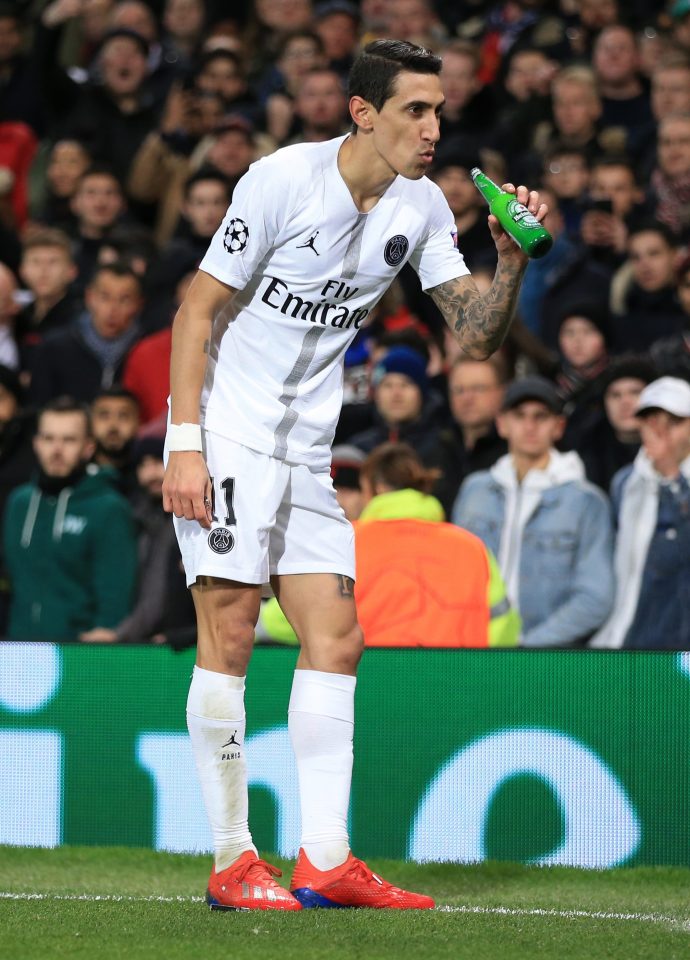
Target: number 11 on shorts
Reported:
point(228, 488)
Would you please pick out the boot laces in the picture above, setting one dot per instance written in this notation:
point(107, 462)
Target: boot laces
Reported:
point(358, 870)
point(256, 870)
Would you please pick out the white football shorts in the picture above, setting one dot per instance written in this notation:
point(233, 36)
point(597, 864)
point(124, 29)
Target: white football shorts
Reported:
point(269, 517)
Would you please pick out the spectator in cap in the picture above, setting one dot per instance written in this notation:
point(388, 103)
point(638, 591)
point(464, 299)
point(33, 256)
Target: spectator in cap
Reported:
point(549, 527)
point(671, 355)
point(613, 440)
point(405, 409)
point(651, 501)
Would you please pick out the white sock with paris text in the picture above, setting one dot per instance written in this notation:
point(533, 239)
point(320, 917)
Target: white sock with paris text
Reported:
point(216, 724)
point(321, 725)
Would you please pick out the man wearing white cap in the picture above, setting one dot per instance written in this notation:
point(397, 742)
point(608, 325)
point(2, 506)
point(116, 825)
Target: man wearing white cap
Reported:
point(651, 499)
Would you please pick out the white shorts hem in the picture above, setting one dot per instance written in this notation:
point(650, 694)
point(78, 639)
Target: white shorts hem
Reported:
point(314, 567)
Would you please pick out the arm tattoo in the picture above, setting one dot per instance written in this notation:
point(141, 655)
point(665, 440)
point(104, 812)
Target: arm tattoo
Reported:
point(480, 323)
point(346, 586)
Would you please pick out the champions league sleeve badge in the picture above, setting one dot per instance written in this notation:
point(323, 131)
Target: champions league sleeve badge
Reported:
point(236, 236)
point(395, 250)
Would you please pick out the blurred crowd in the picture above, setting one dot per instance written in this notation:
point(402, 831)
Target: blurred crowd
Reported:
point(540, 498)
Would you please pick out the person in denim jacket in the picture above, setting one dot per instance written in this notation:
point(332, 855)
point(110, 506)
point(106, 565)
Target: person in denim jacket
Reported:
point(651, 500)
point(549, 527)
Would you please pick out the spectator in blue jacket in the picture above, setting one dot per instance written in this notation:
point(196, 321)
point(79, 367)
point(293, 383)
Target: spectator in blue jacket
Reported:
point(549, 527)
point(651, 500)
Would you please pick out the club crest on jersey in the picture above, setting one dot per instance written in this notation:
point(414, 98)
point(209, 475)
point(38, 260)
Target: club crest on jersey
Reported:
point(221, 540)
point(395, 250)
point(236, 236)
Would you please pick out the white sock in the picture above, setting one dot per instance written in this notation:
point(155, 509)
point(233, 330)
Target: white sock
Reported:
point(321, 725)
point(216, 723)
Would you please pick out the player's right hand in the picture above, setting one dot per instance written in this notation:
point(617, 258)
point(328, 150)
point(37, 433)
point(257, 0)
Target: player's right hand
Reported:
point(187, 487)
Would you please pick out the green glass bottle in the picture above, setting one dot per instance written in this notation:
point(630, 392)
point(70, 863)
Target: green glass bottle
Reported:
point(529, 234)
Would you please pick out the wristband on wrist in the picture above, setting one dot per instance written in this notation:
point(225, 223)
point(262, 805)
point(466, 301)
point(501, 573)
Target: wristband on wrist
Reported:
point(183, 436)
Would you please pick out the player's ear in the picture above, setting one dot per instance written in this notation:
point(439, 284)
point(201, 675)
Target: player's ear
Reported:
point(362, 113)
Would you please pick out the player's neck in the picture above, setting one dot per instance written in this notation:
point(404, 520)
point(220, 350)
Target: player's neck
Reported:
point(366, 175)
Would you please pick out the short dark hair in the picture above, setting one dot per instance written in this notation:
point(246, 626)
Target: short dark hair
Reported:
point(120, 269)
point(65, 404)
point(220, 54)
point(654, 226)
point(101, 170)
point(205, 175)
point(375, 69)
point(116, 392)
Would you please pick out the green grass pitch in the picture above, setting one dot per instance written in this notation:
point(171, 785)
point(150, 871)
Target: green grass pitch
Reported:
point(127, 904)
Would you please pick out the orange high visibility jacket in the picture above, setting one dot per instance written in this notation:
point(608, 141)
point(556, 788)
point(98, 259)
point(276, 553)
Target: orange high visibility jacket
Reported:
point(423, 583)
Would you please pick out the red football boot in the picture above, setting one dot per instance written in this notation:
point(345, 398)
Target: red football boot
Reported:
point(352, 884)
point(249, 885)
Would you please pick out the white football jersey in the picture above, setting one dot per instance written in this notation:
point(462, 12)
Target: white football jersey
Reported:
point(308, 268)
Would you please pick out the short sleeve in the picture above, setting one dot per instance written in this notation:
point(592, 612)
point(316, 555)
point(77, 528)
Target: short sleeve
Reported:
point(436, 259)
point(250, 226)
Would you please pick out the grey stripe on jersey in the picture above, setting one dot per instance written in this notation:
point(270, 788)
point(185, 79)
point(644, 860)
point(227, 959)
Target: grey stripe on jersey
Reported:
point(292, 382)
point(354, 247)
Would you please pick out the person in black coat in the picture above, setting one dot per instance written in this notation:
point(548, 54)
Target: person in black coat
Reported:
point(48, 271)
point(613, 441)
point(471, 441)
point(90, 355)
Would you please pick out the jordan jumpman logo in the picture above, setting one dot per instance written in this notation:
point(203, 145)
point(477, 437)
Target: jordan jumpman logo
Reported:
point(310, 243)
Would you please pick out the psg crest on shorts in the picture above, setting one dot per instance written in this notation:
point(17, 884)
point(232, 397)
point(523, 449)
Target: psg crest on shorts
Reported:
point(395, 250)
point(221, 540)
point(236, 236)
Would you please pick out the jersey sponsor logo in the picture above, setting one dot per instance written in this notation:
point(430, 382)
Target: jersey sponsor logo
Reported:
point(327, 311)
point(236, 236)
point(310, 243)
point(221, 540)
point(395, 250)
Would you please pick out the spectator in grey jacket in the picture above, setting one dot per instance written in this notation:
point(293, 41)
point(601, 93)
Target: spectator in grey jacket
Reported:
point(549, 527)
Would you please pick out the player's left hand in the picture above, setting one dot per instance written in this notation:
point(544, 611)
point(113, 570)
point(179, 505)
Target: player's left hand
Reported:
point(505, 245)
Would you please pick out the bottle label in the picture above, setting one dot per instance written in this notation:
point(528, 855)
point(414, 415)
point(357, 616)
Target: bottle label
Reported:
point(520, 214)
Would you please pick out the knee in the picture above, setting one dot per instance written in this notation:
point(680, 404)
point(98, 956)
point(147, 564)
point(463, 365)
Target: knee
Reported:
point(345, 651)
point(226, 647)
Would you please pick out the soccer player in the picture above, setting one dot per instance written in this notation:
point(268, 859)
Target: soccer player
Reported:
point(313, 237)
